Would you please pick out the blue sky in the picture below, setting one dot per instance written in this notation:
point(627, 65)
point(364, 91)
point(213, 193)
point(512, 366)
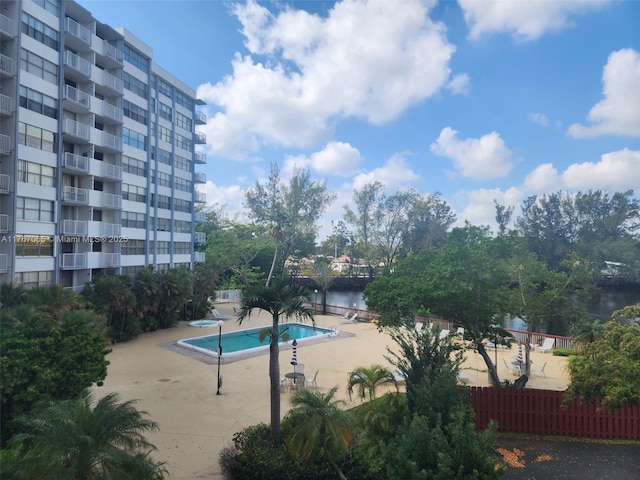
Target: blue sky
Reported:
point(475, 99)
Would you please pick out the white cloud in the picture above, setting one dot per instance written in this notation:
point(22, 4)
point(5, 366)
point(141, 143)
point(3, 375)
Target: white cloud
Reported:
point(539, 118)
point(229, 198)
point(615, 171)
point(479, 207)
point(481, 158)
point(544, 178)
point(618, 113)
point(460, 84)
point(394, 175)
point(525, 20)
point(316, 71)
point(336, 158)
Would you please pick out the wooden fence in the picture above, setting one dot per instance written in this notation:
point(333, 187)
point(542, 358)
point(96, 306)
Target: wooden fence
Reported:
point(541, 411)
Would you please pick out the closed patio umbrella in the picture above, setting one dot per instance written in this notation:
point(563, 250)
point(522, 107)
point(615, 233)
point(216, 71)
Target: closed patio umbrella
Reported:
point(294, 356)
point(519, 357)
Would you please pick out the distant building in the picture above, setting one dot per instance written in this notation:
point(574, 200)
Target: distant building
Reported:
point(98, 148)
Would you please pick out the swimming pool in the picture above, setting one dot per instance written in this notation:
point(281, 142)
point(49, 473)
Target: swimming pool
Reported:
point(245, 341)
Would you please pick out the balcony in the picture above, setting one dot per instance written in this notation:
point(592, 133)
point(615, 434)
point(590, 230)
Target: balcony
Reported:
point(4, 183)
point(76, 129)
point(112, 52)
point(7, 26)
point(112, 82)
point(4, 223)
point(6, 105)
point(77, 97)
point(78, 31)
point(111, 141)
point(199, 237)
point(73, 261)
point(113, 172)
point(76, 196)
point(199, 217)
point(111, 111)
point(200, 118)
point(75, 227)
point(6, 66)
point(111, 229)
point(5, 144)
point(109, 260)
point(199, 138)
point(200, 177)
point(4, 263)
point(200, 158)
point(77, 63)
point(200, 197)
point(111, 200)
point(75, 162)
point(198, 257)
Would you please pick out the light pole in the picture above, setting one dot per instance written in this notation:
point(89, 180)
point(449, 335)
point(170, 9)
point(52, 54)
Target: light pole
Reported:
point(219, 355)
point(315, 301)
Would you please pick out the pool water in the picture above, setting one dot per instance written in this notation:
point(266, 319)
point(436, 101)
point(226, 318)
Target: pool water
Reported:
point(243, 341)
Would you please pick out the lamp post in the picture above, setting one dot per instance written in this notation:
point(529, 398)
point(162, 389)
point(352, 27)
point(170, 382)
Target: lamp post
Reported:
point(315, 301)
point(219, 355)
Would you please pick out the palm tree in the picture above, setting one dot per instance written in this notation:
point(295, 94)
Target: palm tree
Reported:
point(77, 439)
point(587, 331)
point(280, 299)
point(319, 427)
point(367, 379)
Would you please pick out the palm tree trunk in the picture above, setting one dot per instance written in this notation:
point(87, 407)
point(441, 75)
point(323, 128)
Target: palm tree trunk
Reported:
point(273, 265)
point(274, 380)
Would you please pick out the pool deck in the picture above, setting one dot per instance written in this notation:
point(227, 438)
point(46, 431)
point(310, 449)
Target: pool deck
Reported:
point(178, 389)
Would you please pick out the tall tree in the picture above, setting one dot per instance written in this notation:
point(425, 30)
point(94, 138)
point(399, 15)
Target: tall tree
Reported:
point(503, 216)
point(289, 211)
point(324, 276)
point(431, 219)
point(395, 223)
point(82, 439)
point(319, 427)
point(280, 299)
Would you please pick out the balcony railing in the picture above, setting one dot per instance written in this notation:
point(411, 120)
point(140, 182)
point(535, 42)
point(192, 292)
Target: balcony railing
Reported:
point(4, 183)
point(200, 197)
point(73, 261)
point(199, 217)
point(200, 177)
point(77, 129)
point(77, 63)
point(6, 65)
point(75, 195)
point(201, 118)
point(75, 227)
point(110, 260)
point(77, 96)
point(77, 30)
point(75, 162)
point(111, 229)
point(199, 237)
point(198, 257)
point(6, 105)
point(200, 138)
point(111, 200)
point(112, 82)
point(5, 144)
point(4, 223)
point(112, 52)
point(111, 141)
point(111, 171)
point(4, 263)
point(112, 111)
point(200, 157)
point(7, 26)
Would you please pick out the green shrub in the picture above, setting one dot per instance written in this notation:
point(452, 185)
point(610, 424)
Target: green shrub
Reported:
point(564, 352)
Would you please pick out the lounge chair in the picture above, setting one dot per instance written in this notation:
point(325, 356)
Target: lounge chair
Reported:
point(460, 332)
point(312, 380)
point(547, 345)
point(398, 376)
point(444, 334)
point(539, 370)
point(418, 327)
point(352, 319)
point(463, 377)
point(219, 316)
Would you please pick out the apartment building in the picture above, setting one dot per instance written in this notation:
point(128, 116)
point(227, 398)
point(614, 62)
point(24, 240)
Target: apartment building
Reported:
point(98, 150)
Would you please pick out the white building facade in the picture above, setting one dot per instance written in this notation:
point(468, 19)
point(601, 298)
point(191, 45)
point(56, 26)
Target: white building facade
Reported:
point(98, 150)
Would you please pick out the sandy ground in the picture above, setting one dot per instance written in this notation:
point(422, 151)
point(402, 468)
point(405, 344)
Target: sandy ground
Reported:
point(178, 390)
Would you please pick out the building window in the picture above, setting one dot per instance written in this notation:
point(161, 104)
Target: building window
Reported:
point(29, 172)
point(134, 85)
point(184, 142)
point(185, 122)
point(36, 137)
point(134, 166)
point(133, 220)
point(181, 226)
point(164, 133)
point(183, 163)
point(135, 58)
point(181, 248)
point(34, 279)
point(38, 66)
point(164, 87)
point(132, 271)
point(134, 139)
point(165, 111)
point(182, 205)
point(164, 179)
point(132, 247)
point(183, 185)
point(134, 193)
point(27, 246)
point(163, 248)
point(38, 102)
point(50, 6)
point(34, 209)
point(163, 156)
point(163, 224)
point(162, 201)
point(134, 112)
point(184, 100)
point(39, 31)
